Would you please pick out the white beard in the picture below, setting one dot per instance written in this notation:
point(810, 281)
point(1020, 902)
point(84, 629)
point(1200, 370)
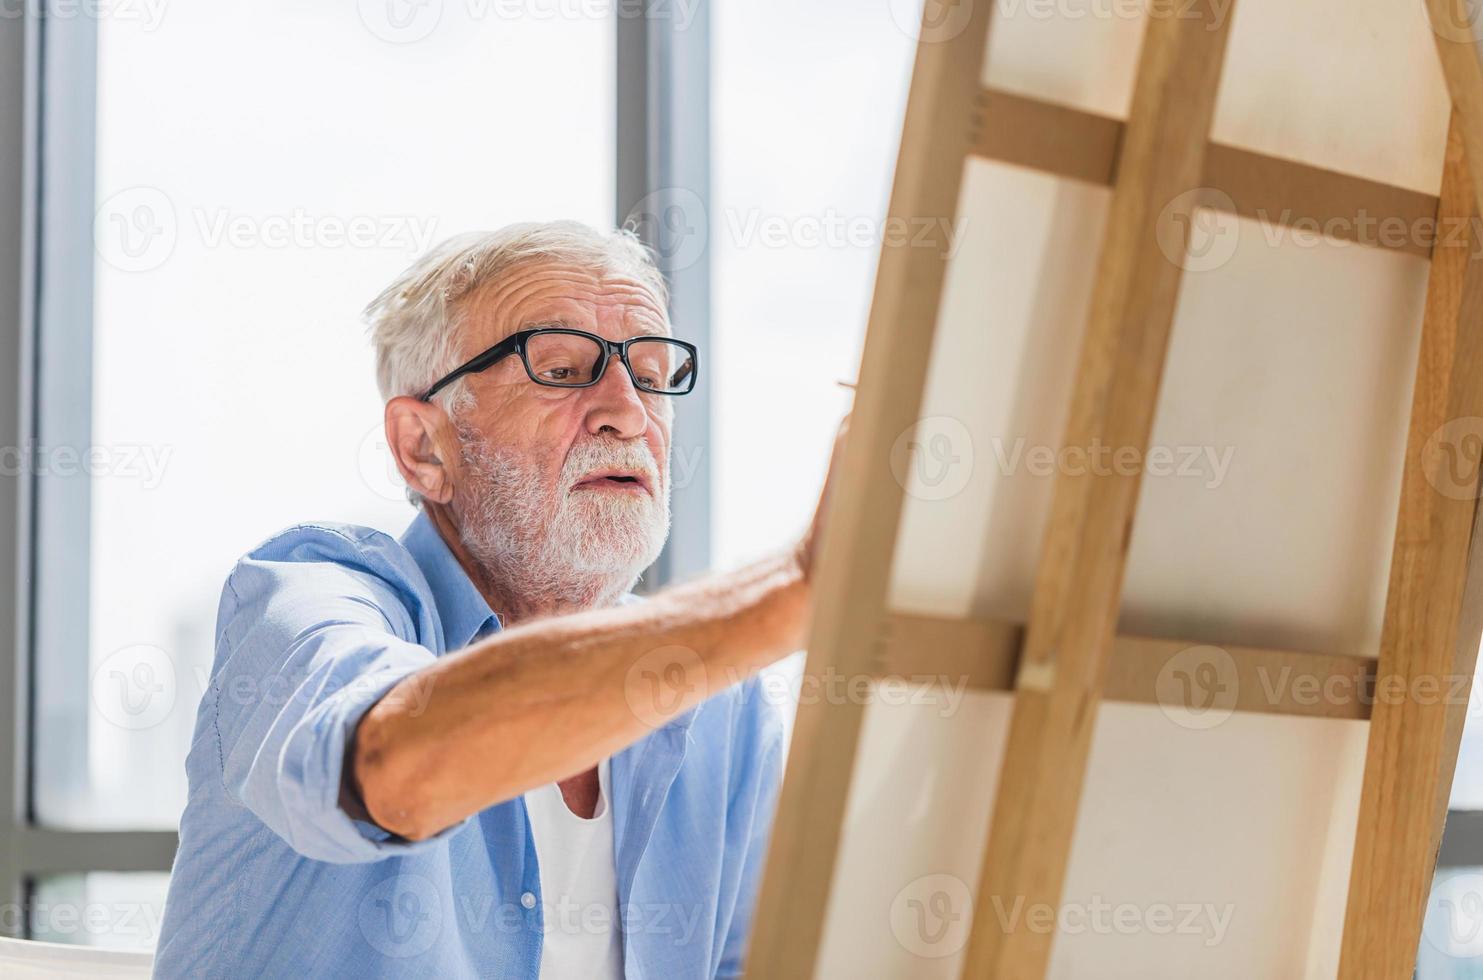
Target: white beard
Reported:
point(552, 546)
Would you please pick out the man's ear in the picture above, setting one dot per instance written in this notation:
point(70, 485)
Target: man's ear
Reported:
point(420, 436)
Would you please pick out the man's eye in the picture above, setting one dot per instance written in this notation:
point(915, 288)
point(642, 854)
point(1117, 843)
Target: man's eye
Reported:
point(560, 374)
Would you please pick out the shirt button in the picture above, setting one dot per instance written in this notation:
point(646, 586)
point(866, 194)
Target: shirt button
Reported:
point(528, 900)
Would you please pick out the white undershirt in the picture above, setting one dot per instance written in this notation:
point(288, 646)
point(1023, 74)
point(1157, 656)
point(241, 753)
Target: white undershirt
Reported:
point(579, 885)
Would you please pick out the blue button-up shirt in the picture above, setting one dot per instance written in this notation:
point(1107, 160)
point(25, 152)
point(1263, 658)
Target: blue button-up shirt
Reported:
point(273, 879)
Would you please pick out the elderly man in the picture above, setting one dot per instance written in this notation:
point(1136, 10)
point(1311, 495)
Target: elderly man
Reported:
point(471, 752)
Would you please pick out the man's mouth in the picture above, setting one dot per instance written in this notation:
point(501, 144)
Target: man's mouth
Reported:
point(615, 481)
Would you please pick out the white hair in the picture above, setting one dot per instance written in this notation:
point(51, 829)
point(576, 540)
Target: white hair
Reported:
point(414, 322)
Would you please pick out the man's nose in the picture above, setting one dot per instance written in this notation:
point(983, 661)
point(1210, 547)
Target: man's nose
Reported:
point(614, 404)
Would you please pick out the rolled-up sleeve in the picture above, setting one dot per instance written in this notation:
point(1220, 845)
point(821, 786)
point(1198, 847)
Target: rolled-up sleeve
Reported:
point(306, 643)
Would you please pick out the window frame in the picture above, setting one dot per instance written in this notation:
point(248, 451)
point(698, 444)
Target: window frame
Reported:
point(48, 110)
point(46, 221)
point(663, 125)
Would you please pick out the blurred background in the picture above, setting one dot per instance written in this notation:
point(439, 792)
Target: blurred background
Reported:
point(196, 199)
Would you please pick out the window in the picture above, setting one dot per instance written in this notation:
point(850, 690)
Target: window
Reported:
point(800, 200)
point(216, 191)
point(242, 221)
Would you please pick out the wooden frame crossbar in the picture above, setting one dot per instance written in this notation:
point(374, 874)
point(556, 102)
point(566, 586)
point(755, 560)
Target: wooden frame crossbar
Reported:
point(1067, 658)
point(1085, 146)
point(983, 655)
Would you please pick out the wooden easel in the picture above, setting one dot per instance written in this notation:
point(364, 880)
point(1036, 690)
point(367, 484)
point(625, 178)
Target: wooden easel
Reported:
point(1069, 656)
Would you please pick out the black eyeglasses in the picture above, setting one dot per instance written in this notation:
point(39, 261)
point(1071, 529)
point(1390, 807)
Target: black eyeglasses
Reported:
point(559, 357)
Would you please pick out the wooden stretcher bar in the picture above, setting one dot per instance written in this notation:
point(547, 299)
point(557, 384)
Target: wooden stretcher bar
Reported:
point(983, 654)
point(1078, 585)
point(1084, 146)
point(1413, 742)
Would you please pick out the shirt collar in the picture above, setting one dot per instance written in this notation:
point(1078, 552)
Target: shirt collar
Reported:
point(461, 607)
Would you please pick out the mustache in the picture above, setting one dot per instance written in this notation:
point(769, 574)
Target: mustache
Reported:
point(593, 454)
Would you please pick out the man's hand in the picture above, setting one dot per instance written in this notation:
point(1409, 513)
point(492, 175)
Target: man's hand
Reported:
point(808, 545)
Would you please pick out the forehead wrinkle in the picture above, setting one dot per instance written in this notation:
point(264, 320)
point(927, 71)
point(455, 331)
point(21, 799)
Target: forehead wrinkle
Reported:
point(490, 309)
point(641, 320)
point(636, 301)
point(561, 291)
